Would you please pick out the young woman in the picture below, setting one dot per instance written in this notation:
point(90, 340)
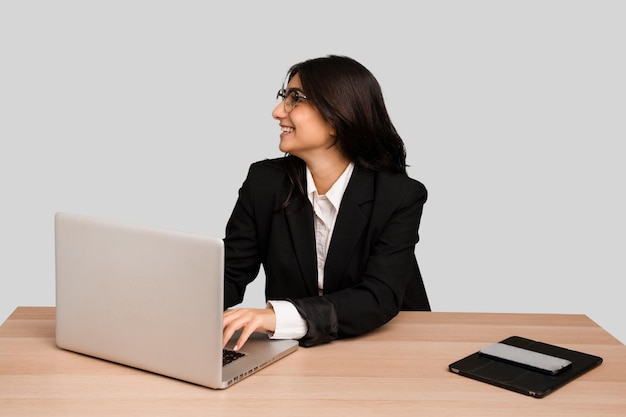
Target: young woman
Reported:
point(334, 222)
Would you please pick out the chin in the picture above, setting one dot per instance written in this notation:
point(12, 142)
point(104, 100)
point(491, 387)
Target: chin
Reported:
point(284, 148)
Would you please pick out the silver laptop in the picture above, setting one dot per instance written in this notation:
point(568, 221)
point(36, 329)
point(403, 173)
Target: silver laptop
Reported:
point(151, 299)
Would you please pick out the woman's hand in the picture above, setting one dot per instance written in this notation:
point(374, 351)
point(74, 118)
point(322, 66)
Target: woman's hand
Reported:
point(249, 320)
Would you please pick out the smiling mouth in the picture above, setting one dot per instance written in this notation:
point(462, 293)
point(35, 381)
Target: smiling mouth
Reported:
point(285, 129)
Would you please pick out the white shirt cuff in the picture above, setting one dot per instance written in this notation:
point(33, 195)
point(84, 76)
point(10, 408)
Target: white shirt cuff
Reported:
point(289, 323)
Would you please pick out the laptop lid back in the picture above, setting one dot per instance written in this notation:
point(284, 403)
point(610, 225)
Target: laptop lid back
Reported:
point(140, 296)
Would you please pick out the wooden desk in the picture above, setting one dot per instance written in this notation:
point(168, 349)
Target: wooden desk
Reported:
point(400, 369)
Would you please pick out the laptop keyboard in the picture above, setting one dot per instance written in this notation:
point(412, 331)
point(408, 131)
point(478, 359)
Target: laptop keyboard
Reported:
point(229, 356)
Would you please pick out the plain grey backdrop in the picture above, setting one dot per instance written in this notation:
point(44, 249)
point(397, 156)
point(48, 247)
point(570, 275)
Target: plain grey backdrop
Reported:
point(513, 114)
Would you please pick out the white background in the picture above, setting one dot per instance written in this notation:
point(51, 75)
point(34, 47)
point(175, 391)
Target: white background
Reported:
point(513, 114)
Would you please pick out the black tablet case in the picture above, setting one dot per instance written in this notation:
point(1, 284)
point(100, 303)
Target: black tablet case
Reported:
point(516, 378)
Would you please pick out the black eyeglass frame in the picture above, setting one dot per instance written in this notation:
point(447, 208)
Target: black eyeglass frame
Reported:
point(290, 97)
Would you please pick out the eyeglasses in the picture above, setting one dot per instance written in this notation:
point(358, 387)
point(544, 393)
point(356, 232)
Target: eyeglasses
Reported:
point(290, 97)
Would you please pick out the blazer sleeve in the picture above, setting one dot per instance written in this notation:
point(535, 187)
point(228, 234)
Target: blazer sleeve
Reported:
point(241, 247)
point(252, 231)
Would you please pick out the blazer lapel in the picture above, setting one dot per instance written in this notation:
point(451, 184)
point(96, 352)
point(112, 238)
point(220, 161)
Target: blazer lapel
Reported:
point(354, 212)
point(301, 229)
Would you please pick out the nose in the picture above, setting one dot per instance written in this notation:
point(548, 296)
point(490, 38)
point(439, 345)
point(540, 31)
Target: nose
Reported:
point(279, 111)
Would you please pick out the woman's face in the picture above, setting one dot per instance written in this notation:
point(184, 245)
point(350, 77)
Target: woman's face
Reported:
point(304, 132)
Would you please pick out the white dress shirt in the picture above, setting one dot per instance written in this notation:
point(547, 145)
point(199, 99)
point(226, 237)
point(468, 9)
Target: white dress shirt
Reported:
point(289, 323)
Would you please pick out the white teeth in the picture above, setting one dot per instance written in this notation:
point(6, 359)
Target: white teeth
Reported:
point(286, 129)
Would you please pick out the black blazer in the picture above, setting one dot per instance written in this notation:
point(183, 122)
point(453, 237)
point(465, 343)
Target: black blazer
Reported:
point(371, 272)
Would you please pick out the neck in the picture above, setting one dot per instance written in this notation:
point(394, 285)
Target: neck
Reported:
point(326, 172)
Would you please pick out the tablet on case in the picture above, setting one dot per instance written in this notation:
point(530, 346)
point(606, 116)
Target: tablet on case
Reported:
point(519, 377)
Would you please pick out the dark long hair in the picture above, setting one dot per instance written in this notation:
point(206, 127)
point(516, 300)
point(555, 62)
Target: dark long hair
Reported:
point(349, 97)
